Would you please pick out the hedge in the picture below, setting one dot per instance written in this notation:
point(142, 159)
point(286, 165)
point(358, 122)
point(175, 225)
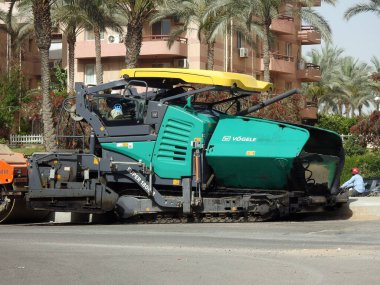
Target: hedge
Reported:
point(368, 163)
point(336, 123)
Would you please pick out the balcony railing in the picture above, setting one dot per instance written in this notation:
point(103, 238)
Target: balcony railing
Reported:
point(164, 38)
point(309, 72)
point(309, 35)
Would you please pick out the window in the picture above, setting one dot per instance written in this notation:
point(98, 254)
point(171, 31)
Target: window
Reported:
point(90, 76)
point(90, 36)
point(288, 85)
point(161, 28)
point(289, 49)
point(114, 110)
point(239, 37)
point(30, 45)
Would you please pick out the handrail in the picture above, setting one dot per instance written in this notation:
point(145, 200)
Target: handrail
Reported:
point(285, 17)
point(310, 65)
point(308, 28)
point(164, 38)
point(279, 56)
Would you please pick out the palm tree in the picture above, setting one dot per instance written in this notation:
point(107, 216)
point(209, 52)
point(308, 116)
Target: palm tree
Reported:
point(375, 79)
point(193, 15)
point(375, 76)
point(98, 15)
point(17, 31)
point(325, 91)
point(136, 12)
point(372, 7)
point(65, 14)
point(43, 27)
point(354, 85)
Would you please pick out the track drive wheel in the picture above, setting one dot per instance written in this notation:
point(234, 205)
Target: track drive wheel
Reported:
point(13, 210)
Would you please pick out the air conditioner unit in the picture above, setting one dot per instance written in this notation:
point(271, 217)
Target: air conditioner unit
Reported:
point(181, 63)
point(243, 52)
point(114, 39)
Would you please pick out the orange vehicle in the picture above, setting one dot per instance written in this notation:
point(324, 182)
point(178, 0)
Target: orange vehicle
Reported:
point(13, 186)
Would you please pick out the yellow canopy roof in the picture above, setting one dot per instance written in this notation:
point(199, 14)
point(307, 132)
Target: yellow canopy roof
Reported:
point(173, 76)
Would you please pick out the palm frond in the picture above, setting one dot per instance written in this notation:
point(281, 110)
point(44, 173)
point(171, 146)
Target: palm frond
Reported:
point(312, 17)
point(372, 7)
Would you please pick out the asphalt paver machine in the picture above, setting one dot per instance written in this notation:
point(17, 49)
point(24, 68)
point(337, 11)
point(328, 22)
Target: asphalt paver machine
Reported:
point(157, 153)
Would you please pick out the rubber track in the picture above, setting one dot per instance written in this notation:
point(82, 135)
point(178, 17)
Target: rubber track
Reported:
point(237, 217)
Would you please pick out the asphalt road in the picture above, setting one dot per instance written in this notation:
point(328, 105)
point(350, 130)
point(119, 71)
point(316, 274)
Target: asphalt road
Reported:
point(302, 252)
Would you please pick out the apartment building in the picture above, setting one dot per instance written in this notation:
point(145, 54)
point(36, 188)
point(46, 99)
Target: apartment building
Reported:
point(27, 57)
point(232, 53)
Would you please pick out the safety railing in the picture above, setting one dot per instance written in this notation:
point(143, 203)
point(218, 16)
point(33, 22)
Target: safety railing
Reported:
point(164, 38)
point(308, 28)
point(278, 56)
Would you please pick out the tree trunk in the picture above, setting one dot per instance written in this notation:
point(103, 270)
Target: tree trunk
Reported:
point(347, 109)
point(210, 55)
point(9, 53)
point(10, 33)
point(42, 27)
point(47, 116)
point(266, 53)
point(98, 53)
point(133, 42)
point(71, 39)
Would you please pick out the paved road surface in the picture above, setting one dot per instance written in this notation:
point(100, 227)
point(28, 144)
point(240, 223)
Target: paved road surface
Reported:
point(303, 252)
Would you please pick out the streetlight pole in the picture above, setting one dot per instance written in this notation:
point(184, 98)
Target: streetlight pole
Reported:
point(377, 101)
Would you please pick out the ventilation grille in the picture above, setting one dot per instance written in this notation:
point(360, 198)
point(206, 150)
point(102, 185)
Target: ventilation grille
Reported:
point(175, 141)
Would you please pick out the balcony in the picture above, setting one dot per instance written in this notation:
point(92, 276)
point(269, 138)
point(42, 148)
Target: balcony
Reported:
point(158, 46)
point(153, 45)
point(283, 25)
point(309, 73)
point(309, 114)
point(309, 35)
point(280, 63)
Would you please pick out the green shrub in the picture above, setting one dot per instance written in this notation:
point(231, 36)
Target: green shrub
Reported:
point(11, 88)
point(336, 123)
point(369, 165)
point(352, 146)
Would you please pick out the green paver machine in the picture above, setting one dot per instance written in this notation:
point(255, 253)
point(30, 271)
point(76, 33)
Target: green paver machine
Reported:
point(158, 153)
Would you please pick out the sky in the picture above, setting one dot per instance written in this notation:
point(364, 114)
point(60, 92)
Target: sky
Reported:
point(358, 36)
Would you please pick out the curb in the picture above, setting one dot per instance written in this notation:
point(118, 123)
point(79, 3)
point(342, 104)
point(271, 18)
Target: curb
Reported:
point(358, 208)
point(364, 208)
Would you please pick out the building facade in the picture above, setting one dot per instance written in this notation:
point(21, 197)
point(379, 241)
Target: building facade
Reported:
point(26, 57)
point(232, 53)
